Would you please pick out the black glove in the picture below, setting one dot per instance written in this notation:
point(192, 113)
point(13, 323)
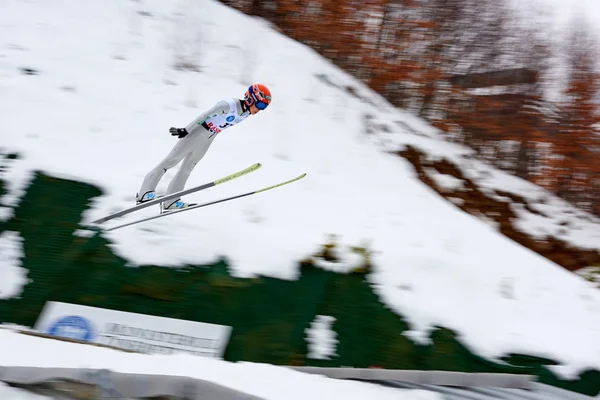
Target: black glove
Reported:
point(179, 132)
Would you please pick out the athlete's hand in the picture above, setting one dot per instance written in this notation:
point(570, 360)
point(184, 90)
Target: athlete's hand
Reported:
point(179, 132)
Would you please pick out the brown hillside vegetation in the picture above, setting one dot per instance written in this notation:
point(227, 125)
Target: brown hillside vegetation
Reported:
point(474, 201)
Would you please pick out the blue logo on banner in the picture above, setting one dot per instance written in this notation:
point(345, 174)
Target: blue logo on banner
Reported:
point(230, 118)
point(73, 327)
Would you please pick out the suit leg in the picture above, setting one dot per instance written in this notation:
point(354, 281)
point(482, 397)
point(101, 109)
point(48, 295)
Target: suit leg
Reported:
point(182, 148)
point(186, 168)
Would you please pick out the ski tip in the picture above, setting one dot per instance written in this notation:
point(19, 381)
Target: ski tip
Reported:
point(281, 184)
point(299, 177)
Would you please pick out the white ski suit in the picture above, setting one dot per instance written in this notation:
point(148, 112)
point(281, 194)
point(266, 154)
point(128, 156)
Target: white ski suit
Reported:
point(192, 147)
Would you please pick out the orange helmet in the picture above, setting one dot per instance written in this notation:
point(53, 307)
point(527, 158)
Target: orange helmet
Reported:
point(259, 95)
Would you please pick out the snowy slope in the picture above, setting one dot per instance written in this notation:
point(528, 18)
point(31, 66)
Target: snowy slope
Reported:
point(99, 111)
point(553, 216)
point(261, 380)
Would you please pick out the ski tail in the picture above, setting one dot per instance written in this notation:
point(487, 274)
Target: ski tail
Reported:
point(233, 176)
point(176, 195)
point(207, 203)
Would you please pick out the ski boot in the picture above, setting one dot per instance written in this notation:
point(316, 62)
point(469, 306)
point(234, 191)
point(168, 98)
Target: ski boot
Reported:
point(174, 205)
point(146, 197)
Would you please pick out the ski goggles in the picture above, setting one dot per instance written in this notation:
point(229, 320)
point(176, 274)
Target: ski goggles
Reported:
point(252, 99)
point(261, 105)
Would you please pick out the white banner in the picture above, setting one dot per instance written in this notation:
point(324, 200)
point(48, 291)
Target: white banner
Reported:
point(138, 332)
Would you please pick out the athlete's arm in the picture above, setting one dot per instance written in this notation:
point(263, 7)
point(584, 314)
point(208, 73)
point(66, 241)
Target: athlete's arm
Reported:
point(222, 107)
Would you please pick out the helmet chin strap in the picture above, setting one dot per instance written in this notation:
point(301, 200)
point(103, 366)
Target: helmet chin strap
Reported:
point(245, 107)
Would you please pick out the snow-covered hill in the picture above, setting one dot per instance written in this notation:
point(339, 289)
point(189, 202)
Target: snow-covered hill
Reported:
point(88, 92)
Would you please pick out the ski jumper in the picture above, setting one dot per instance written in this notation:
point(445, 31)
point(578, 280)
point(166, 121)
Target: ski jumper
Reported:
point(191, 148)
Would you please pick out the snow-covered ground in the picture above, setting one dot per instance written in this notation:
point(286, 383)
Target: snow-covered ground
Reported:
point(554, 216)
point(105, 93)
point(13, 277)
point(263, 380)
point(321, 338)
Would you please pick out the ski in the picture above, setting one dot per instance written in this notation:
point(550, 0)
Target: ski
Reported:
point(176, 195)
point(165, 214)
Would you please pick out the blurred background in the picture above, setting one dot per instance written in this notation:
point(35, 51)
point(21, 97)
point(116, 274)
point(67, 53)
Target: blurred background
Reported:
point(449, 220)
point(516, 82)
